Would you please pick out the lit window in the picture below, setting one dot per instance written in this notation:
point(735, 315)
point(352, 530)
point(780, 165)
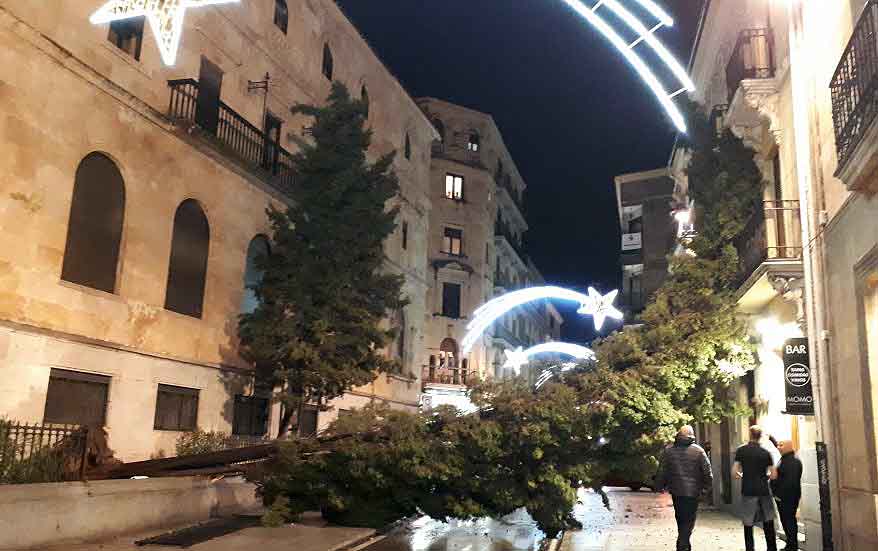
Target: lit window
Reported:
point(451, 243)
point(473, 143)
point(454, 187)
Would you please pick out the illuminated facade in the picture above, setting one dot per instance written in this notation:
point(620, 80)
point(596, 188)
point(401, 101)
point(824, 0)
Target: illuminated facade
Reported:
point(475, 252)
point(132, 204)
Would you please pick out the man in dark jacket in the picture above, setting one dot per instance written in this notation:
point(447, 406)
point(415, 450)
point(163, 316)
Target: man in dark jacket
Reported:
point(787, 490)
point(685, 472)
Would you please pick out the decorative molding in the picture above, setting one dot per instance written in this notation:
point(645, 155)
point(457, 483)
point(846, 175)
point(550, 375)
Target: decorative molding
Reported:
point(756, 101)
point(792, 289)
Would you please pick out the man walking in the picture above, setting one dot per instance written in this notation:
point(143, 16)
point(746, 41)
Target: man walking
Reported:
point(754, 466)
point(788, 491)
point(685, 472)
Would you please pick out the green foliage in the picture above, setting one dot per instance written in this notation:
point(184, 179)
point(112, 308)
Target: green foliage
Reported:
point(278, 514)
point(317, 330)
point(44, 465)
point(200, 441)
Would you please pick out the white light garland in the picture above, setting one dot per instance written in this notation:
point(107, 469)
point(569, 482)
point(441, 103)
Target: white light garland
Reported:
point(165, 18)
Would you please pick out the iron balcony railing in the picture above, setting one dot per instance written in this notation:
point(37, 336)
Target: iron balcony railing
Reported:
point(854, 86)
point(718, 119)
point(233, 133)
point(774, 233)
point(752, 58)
point(446, 374)
point(502, 230)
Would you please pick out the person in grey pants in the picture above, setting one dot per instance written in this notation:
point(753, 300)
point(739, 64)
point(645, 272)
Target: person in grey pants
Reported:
point(685, 472)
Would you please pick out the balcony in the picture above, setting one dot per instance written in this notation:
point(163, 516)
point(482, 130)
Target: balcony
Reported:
point(753, 92)
point(504, 233)
point(232, 134)
point(504, 182)
point(769, 247)
point(854, 90)
point(457, 153)
point(444, 374)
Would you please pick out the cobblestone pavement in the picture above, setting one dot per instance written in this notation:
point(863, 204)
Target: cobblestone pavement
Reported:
point(644, 521)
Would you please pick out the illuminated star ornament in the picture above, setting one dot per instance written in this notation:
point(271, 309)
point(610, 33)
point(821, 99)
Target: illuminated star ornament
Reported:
point(600, 307)
point(165, 18)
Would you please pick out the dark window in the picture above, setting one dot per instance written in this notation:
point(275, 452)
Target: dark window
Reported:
point(440, 128)
point(210, 82)
point(778, 188)
point(400, 337)
point(176, 408)
point(308, 422)
point(405, 235)
point(257, 253)
point(474, 143)
point(127, 35)
point(94, 231)
point(451, 300)
point(271, 145)
point(408, 147)
point(250, 416)
point(187, 270)
point(281, 15)
point(487, 254)
point(364, 97)
point(454, 187)
point(451, 243)
point(327, 62)
point(76, 398)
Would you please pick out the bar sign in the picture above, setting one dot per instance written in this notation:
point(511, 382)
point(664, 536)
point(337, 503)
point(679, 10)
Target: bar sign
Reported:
point(797, 377)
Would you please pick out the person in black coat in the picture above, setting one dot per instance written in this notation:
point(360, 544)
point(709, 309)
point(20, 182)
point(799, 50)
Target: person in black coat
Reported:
point(685, 472)
point(787, 489)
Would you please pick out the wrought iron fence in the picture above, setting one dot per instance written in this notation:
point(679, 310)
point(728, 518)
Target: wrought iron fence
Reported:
point(774, 233)
point(39, 452)
point(854, 86)
point(448, 374)
point(233, 132)
point(752, 58)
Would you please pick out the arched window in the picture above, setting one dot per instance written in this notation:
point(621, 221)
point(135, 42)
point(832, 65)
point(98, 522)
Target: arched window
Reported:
point(281, 15)
point(408, 146)
point(94, 231)
point(440, 128)
point(474, 142)
point(257, 252)
point(327, 62)
point(364, 97)
point(187, 270)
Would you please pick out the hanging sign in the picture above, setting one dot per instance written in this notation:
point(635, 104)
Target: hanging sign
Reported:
point(797, 377)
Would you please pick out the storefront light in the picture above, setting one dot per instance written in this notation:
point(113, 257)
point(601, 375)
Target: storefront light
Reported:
point(774, 334)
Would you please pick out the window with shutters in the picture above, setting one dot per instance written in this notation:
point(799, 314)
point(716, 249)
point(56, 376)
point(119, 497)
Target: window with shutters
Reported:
point(187, 271)
point(250, 417)
point(76, 398)
point(127, 35)
point(94, 229)
point(451, 300)
point(452, 242)
point(176, 408)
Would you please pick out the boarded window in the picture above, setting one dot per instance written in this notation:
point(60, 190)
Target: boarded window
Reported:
point(308, 422)
point(76, 398)
point(281, 15)
point(327, 62)
point(257, 253)
point(176, 408)
point(250, 416)
point(187, 271)
point(451, 300)
point(94, 231)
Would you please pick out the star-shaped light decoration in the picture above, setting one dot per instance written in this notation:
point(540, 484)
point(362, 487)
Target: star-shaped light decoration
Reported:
point(165, 18)
point(600, 307)
point(515, 359)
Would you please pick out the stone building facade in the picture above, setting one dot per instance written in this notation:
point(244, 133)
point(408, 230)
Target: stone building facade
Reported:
point(475, 251)
point(644, 200)
point(131, 193)
point(796, 81)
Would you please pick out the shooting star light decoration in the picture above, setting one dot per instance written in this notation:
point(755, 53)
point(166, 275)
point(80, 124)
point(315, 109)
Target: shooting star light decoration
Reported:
point(519, 357)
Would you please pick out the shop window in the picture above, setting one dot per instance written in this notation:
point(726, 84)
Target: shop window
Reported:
point(127, 35)
point(187, 271)
point(94, 230)
point(176, 408)
point(76, 398)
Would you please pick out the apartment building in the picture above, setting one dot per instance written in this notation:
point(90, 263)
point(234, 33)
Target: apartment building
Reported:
point(132, 205)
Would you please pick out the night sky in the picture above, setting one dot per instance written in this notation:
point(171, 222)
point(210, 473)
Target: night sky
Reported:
point(572, 112)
